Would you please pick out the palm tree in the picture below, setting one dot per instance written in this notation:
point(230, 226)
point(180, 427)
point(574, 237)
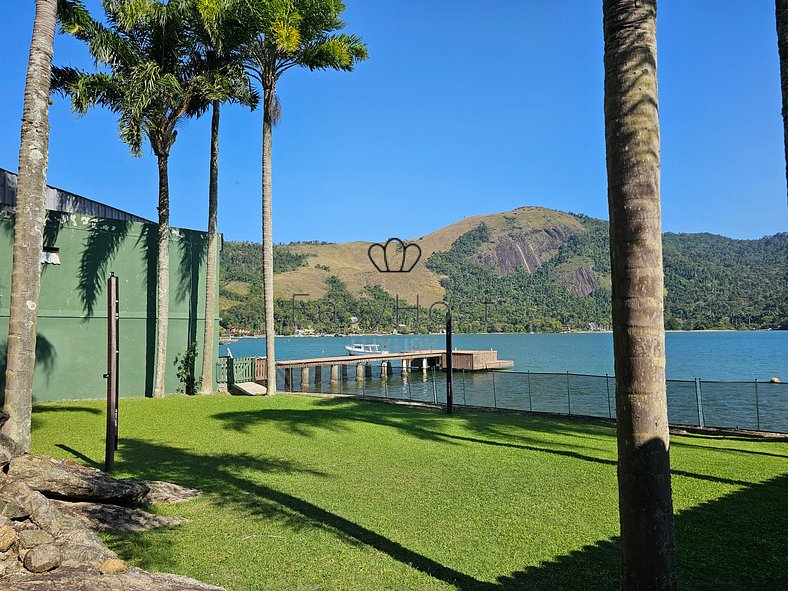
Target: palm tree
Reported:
point(29, 228)
point(290, 33)
point(633, 161)
point(222, 32)
point(781, 14)
point(153, 81)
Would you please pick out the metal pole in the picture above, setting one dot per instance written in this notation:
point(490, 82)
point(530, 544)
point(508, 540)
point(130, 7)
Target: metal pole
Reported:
point(449, 361)
point(434, 392)
point(530, 402)
point(699, 403)
point(495, 397)
point(568, 395)
point(609, 409)
point(112, 374)
point(757, 409)
point(464, 399)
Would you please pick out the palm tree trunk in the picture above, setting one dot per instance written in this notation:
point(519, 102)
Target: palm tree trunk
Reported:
point(781, 13)
point(162, 279)
point(29, 228)
point(633, 162)
point(208, 345)
point(268, 243)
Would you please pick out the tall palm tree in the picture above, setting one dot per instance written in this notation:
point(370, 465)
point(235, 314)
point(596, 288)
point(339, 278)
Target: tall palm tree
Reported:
point(781, 14)
point(153, 80)
point(29, 228)
point(222, 32)
point(633, 162)
point(291, 33)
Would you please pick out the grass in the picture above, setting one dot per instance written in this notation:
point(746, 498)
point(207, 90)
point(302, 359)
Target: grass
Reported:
point(318, 493)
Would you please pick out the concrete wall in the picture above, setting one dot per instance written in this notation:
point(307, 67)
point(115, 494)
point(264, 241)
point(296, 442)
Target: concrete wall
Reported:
point(72, 321)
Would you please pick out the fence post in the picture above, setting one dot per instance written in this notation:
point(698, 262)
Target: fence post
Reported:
point(464, 400)
point(699, 403)
point(434, 392)
point(530, 402)
point(609, 409)
point(568, 396)
point(495, 398)
point(757, 409)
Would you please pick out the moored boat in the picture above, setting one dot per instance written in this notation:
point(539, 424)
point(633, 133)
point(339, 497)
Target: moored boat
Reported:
point(364, 349)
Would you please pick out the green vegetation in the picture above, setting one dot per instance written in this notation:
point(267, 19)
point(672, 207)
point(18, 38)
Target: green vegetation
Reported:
point(314, 493)
point(711, 282)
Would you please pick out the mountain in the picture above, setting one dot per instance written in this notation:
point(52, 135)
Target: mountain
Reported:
point(527, 269)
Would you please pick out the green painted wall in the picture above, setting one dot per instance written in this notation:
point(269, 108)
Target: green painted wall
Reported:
point(72, 321)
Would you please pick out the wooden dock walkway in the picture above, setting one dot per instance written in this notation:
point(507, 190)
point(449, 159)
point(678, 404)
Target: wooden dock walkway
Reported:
point(248, 370)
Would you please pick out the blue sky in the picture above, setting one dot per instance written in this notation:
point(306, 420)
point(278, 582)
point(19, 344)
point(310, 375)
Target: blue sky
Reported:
point(464, 107)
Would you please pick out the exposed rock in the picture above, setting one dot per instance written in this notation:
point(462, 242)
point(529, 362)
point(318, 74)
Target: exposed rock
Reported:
point(114, 566)
point(7, 537)
point(71, 481)
point(527, 249)
point(42, 558)
point(115, 518)
point(581, 281)
point(79, 546)
point(10, 509)
point(8, 449)
point(34, 537)
point(161, 492)
point(80, 580)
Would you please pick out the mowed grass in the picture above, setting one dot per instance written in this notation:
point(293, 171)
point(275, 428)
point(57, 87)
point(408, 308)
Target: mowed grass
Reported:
point(320, 493)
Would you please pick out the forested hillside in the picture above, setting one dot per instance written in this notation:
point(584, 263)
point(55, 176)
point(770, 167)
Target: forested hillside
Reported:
point(526, 270)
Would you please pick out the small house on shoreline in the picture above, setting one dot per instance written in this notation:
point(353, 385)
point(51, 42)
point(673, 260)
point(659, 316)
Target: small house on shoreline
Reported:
point(84, 242)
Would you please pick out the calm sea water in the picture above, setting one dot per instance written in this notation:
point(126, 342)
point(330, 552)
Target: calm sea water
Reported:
point(726, 355)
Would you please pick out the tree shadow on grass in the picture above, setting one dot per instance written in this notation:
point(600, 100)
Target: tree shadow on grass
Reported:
point(340, 414)
point(734, 542)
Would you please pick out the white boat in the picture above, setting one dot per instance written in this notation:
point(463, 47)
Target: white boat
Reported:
point(364, 349)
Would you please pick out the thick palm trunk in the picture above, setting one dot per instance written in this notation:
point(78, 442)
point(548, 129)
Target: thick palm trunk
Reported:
point(268, 242)
point(211, 258)
point(782, 45)
point(633, 162)
point(162, 279)
point(29, 228)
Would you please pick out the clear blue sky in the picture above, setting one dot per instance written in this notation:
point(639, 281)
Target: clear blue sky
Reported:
point(464, 107)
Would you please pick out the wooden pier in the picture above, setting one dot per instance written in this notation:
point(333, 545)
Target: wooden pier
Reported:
point(251, 370)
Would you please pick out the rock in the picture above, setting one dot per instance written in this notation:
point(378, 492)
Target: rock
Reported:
point(79, 546)
point(113, 566)
point(161, 492)
point(34, 537)
point(42, 558)
point(114, 518)
point(65, 579)
point(10, 509)
point(8, 449)
point(7, 537)
point(71, 481)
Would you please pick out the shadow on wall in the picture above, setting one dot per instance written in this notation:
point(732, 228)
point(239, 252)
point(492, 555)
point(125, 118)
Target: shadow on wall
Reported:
point(46, 358)
point(102, 243)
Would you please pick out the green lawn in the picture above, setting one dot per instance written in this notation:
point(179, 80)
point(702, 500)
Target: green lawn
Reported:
point(318, 493)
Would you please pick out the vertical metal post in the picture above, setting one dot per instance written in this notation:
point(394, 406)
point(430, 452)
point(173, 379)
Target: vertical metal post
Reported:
point(609, 409)
point(112, 373)
point(699, 403)
point(434, 392)
point(495, 397)
point(568, 395)
point(757, 408)
point(449, 365)
point(530, 402)
point(464, 398)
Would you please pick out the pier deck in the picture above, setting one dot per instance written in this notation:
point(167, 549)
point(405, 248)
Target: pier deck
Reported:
point(467, 360)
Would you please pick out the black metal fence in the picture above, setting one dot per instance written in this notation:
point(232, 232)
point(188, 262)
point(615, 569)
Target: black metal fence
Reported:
point(754, 405)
